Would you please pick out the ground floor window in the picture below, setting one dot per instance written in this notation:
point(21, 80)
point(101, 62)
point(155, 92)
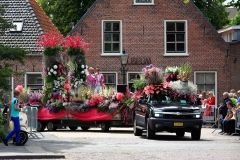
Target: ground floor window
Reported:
point(206, 81)
point(110, 79)
point(34, 81)
point(131, 78)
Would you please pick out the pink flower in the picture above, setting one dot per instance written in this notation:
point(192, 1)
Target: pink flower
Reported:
point(67, 86)
point(119, 96)
point(50, 39)
point(113, 105)
point(19, 88)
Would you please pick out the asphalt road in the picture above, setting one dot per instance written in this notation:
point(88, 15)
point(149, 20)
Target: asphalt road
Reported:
point(120, 143)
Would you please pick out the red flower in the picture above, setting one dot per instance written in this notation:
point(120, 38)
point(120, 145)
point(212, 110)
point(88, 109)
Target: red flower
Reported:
point(149, 89)
point(50, 39)
point(119, 96)
point(67, 86)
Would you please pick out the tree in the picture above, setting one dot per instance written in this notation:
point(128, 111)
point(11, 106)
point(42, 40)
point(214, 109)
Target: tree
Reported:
point(215, 12)
point(64, 13)
point(8, 54)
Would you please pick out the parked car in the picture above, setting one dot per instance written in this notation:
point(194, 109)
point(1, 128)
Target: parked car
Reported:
point(174, 117)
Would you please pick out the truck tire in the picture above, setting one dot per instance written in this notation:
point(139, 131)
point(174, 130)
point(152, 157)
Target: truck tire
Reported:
point(23, 137)
point(105, 126)
point(85, 128)
point(136, 131)
point(196, 134)
point(73, 128)
point(51, 127)
point(40, 126)
point(180, 134)
point(150, 133)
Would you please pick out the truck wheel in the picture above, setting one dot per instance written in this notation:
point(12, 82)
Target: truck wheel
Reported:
point(150, 133)
point(196, 134)
point(136, 131)
point(85, 128)
point(51, 127)
point(73, 128)
point(23, 137)
point(105, 126)
point(40, 126)
point(180, 134)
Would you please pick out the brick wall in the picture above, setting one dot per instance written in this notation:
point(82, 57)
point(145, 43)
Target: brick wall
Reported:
point(143, 35)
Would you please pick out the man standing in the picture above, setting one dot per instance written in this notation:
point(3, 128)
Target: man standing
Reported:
point(14, 112)
point(224, 108)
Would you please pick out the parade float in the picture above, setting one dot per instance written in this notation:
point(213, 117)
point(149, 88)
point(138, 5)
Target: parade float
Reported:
point(68, 97)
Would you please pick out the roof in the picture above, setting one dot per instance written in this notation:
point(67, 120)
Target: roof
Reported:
point(35, 23)
point(228, 29)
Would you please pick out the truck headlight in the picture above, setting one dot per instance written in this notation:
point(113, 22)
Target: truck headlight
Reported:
point(197, 116)
point(158, 115)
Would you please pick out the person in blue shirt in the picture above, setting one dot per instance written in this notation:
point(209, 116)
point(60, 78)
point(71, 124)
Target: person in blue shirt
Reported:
point(14, 112)
point(238, 96)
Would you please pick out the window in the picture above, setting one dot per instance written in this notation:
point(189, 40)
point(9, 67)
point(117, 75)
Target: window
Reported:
point(112, 38)
point(34, 81)
point(206, 81)
point(18, 26)
point(175, 38)
point(131, 78)
point(110, 79)
point(143, 2)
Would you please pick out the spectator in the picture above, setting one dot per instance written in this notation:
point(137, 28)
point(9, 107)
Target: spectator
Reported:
point(204, 105)
point(232, 91)
point(234, 101)
point(223, 108)
point(229, 121)
point(238, 96)
point(199, 100)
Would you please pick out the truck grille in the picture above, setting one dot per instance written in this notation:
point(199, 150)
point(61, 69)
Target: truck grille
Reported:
point(177, 116)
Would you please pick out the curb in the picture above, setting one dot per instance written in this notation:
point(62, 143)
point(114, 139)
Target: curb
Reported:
point(33, 156)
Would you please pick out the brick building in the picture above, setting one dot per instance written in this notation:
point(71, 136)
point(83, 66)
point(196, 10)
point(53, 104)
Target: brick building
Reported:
point(31, 22)
point(162, 32)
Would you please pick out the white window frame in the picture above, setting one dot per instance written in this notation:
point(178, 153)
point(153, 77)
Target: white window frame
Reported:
point(137, 3)
point(17, 29)
point(128, 77)
point(165, 39)
point(27, 73)
point(111, 73)
point(120, 47)
point(215, 90)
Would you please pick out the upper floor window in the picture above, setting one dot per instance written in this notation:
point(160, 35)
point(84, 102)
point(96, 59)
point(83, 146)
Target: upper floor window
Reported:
point(143, 2)
point(18, 26)
point(112, 38)
point(175, 38)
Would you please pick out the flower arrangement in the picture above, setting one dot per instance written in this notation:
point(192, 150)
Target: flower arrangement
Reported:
point(50, 40)
point(35, 98)
point(24, 95)
point(184, 72)
point(171, 73)
point(152, 74)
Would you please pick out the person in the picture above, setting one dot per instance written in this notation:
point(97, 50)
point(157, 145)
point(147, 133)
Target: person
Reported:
point(14, 113)
point(100, 80)
point(204, 96)
point(223, 108)
point(238, 96)
point(91, 78)
point(232, 91)
point(204, 105)
point(234, 101)
point(229, 121)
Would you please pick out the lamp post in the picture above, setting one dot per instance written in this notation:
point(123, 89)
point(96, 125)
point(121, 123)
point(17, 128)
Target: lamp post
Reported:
point(124, 61)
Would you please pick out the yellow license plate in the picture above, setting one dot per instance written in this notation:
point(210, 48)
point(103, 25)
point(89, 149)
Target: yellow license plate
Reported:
point(178, 124)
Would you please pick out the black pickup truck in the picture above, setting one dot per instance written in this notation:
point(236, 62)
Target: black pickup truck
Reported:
point(174, 117)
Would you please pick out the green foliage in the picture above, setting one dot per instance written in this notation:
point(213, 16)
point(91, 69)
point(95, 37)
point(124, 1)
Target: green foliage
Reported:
point(3, 126)
point(4, 25)
point(49, 79)
point(140, 84)
point(65, 12)
point(51, 51)
point(73, 51)
point(215, 12)
point(185, 68)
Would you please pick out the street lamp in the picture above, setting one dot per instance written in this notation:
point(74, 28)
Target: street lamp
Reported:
point(124, 61)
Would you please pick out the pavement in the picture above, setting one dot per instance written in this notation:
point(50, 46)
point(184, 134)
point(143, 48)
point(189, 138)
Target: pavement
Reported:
point(54, 145)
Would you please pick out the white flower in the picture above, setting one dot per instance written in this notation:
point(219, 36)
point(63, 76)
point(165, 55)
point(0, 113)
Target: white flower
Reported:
point(49, 73)
point(82, 72)
point(76, 83)
point(82, 66)
point(55, 72)
point(87, 66)
point(81, 80)
point(63, 95)
point(55, 66)
point(51, 70)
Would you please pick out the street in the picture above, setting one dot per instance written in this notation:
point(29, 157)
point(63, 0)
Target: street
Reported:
point(120, 143)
